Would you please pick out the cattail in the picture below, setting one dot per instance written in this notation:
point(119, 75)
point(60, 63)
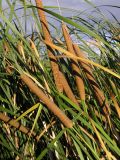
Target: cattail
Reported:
point(75, 67)
point(67, 89)
point(47, 36)
point(54, 65)
point(15, 124)
point(88, 71)
point(51, 105)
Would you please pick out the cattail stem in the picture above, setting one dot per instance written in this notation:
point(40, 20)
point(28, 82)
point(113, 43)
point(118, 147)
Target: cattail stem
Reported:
point(67, 89)
point(75, 67)
point(47, 36)
point(51, 105)
point(55, 68)
point(17, 125)
point(88, 71)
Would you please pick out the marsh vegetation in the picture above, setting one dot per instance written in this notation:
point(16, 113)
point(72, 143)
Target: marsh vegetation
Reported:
point(59, 94)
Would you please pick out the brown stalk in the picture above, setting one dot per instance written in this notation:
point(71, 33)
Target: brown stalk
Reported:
point(67, 89)
point(47, 36)
point(88, 71)
point(75, 66)
point(51, 105)
point(17, 125)
point(55, 69)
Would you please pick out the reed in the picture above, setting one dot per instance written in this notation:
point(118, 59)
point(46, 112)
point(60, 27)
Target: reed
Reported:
point(68, 90)
point(74, 63)
point(51, 105)
point(68, 104)
point(47, 36)
point(15, 124)
point(88, 71)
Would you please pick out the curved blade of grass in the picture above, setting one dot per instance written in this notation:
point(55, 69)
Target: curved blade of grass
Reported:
point(107, 138)
point(7, 145)
point(6, 90)
point(4, 100)
point(28, 111)
point(84, 141)
point(14, 29)
point(109, 155)
point(78, 150)
point(36, 118)
point(83, 148)
point(69, 101)
point(6, 110)
point(11, 13)
point(44, 152)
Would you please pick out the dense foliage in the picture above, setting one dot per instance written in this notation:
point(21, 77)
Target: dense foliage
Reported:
point(59, 88)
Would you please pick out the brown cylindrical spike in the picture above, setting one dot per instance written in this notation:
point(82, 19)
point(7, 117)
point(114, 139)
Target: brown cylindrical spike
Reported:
point(51, 105)
point(47, 36)
point(15, 124)
point(68, 90)
point(88, 71)
point(75, 67)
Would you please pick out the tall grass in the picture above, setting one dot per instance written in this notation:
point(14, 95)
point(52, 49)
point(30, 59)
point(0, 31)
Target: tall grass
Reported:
point(58, 99)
